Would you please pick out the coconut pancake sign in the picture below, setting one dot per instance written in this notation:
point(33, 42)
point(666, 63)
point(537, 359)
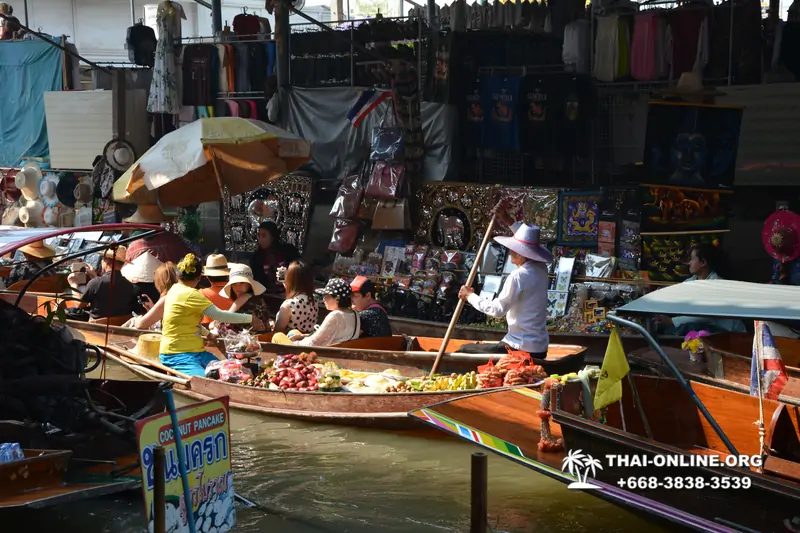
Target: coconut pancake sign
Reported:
point(205, 435)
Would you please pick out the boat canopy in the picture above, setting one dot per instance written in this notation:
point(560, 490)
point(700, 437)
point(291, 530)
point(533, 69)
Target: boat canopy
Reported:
point(14, 237)
point(721, 299)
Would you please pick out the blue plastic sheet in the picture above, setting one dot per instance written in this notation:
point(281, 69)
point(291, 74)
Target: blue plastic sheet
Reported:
point(28, 69)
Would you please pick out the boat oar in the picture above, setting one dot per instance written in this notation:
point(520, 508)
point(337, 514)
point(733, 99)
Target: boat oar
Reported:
point(147, 362)
point(282, 514)
point(460, 306)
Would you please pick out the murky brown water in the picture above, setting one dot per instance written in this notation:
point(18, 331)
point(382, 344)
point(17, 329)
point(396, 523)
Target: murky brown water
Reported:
point(345, 480)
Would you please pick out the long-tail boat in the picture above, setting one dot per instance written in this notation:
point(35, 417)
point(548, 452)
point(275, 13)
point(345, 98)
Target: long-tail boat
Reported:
point(687, 452)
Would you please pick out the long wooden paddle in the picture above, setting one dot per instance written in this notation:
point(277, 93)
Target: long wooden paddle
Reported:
point(460, 306)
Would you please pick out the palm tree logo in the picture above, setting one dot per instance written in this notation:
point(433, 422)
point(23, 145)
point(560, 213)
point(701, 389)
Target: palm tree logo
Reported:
point(580, 465)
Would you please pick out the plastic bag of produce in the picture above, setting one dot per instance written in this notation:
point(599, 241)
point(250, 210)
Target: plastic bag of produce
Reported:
point(329, 378)
point(234, 372)
point(513, 360)
point(241, 344)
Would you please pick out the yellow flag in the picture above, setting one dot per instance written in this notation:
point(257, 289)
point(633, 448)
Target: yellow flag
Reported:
point(615, 367)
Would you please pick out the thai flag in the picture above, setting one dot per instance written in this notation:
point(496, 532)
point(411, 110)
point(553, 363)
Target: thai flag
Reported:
point(773, 372)
point(367, 101)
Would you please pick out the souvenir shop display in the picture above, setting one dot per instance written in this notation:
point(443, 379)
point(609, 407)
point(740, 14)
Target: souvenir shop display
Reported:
point(781, 239)
point(578, 218)
point(285, 200)
point(668, 209)
point(326, 59)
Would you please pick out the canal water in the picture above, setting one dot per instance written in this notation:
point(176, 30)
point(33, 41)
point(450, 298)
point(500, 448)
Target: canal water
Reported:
point(314, 478)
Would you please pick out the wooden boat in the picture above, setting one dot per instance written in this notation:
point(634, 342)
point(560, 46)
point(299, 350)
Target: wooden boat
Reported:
point(61, 468)
point(506, 423)
point(727, 357)
point(399, 350)
point(595, 343)
point(385, 411)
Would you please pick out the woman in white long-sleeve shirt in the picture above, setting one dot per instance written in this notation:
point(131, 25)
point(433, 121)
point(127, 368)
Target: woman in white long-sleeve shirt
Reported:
point(523, 299)
point(342, 323)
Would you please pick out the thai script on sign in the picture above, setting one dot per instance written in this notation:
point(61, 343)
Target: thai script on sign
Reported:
point(198, 452)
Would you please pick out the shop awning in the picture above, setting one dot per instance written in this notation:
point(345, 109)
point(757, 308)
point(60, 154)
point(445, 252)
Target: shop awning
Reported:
point(722, 299)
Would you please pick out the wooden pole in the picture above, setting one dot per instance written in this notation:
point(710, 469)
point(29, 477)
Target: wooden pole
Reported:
point(479, 507)
point(159, 491)
point(460, 307)
point(147, 362)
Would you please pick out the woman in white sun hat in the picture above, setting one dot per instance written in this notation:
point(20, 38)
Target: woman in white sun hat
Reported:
point(523, 299)
point(245, 293)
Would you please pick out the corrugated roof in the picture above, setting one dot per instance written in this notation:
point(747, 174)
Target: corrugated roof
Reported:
point(720, 298)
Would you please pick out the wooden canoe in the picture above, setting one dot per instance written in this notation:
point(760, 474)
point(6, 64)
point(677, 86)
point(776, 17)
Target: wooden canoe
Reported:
point(728, 358)
point(561, 359)
point(384, 411)
point(506, 423)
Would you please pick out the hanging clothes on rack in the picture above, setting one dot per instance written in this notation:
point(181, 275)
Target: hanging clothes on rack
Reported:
point(606, 48)
point(199, 74)
point(689, 29)
point(164, 96)
point(576, 53)
point(648, 50)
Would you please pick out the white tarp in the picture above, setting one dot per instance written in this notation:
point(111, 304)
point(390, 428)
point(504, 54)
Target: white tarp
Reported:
point(722, 299)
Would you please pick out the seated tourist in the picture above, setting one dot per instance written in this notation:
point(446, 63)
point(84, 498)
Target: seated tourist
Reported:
point(182, 344)
point(300, 310)
point(164, 278)
point(245, 293)
point(342, 323)
point(110, 294)
point(374, 319)
point(37, 255)
point(216, 272)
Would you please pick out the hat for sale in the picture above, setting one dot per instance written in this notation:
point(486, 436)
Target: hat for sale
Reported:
point(65, 190)
point(338, 288)
point(362, 285)
point(47, 190)
point(781, 235)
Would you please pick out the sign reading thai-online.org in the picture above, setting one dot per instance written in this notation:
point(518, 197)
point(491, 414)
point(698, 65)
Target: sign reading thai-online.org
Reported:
point(689, 461)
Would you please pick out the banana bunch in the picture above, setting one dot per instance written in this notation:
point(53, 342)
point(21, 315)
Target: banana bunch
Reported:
point(349, 375)
point(566, 377)
point(452, 382)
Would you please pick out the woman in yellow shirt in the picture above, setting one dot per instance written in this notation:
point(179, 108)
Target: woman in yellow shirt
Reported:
point(182, 346)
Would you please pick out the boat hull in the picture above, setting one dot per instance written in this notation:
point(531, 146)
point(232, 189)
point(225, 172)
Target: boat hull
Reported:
point(765, 506)
point(381, 411)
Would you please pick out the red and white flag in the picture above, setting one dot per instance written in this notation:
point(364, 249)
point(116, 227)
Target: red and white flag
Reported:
point(773, 373)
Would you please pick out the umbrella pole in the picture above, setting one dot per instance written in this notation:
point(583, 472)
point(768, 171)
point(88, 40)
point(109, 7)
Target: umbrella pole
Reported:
point(210, 155)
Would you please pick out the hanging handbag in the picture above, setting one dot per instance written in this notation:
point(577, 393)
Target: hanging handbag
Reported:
point(392, 215)
point(349, 197)
point(387, 140)
point(386, 180)
point(345, 234)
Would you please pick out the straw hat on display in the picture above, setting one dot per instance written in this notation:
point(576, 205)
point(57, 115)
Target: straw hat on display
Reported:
point(526, 243)
point(118, 255)
point(690, 87)
point(31, 214)
point(147, 214)
point(47, 190)
point(38, 249)
point(82, 193)
point(216, 265)
point(781, 235)
point(242, 274)
point(142, 269)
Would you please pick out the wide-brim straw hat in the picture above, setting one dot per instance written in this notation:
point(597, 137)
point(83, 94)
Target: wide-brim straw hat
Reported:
point(142, 269)
point(118, 255)
point(148, 346)
point(242, 274)
point(690, 85)
point(216, 265)
point(525, 242)
point(38, 249)
point(148, 214)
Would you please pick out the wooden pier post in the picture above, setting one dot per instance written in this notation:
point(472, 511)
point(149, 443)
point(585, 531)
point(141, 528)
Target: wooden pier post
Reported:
point(159, 491)
point(479, 500)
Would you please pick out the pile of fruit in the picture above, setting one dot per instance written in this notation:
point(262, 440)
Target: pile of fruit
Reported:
point(490, 378)
point(290, 372)
point(453, 382)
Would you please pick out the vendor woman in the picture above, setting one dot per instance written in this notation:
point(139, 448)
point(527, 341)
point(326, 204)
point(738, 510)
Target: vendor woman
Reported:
point(182, 346)
point(704, 260)
point(523, 299)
